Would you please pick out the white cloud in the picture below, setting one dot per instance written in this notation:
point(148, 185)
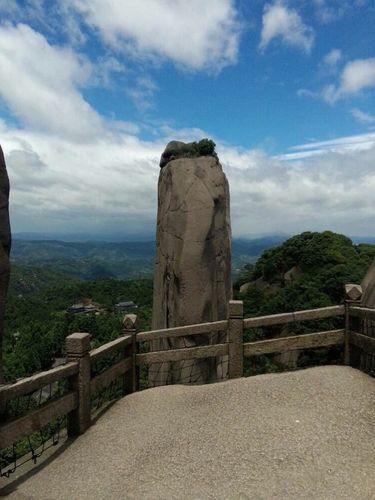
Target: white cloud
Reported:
point(197, 35)
point(9, 7)
point(39, 81)
point(307, 93)
point(333, 191)
point(357, 75)
point(363, 117)
point(110, 184)
point(281, 22)
point(142, 93)
point(328, 11)
point(333, 57)
point(360, 142)
point(107, 184)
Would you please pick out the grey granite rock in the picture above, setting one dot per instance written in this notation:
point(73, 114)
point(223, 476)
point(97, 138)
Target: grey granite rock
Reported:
point(192, 280)
point(368, 300)
point(173, 150)
point(5, 243)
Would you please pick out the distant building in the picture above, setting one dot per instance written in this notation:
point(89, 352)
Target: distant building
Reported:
point(76, 308)
point(84, 307)
point(125, 306)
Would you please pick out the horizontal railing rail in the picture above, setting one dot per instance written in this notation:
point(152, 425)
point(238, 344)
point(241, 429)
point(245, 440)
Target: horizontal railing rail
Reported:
point(36, 382)
point(21, 427)
point(75, 403)
point(104, 379)
point(110, 347)
point(362, 312)
point(296, 342)
point(182, 331)
point(122, 361)
point(199, 352)
point(55, 406)
point(284, 318)
point(364, 342)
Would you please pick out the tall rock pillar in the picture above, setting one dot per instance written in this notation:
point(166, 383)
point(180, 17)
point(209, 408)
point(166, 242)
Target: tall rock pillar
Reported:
point(192, 279)
point(5, 242)
point(368, 300)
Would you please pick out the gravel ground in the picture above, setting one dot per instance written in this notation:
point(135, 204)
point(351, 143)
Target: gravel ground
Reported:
point(308, 434)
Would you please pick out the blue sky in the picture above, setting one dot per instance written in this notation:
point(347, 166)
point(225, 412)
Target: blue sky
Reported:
point(92, 90)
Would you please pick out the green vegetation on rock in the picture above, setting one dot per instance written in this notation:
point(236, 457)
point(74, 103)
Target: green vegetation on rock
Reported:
point(204, 147)
point(307, 271)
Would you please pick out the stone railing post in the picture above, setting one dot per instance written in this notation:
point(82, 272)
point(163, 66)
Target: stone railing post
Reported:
point(131, 378)
point(353, 296)
point(77, 347)
point(235, 339)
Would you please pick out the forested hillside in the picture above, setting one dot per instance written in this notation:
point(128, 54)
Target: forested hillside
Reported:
point(37, 323)
point(89, 260)
point(306, 271)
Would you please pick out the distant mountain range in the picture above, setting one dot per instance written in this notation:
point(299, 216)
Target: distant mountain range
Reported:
point(146, 237)
point(123, 260)
point(363, 239)
point(83, 237)
point(87, 260)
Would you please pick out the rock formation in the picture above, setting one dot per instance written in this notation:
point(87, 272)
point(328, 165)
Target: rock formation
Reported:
point(5, 242)
point(368, 300)
point(192, 280)
point(368, 287)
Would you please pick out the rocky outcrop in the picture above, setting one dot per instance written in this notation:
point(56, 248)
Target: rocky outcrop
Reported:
point(261, 284)
point(174, 150)
point(292, 275)
point(245, 287)
point(5, 243)
point(192, 280)
point(368, 287)
point(368, 300)
point(178, 149)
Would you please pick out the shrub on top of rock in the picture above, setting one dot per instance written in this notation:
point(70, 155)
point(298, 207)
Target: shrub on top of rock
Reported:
point(205, 147)
point(177, 149)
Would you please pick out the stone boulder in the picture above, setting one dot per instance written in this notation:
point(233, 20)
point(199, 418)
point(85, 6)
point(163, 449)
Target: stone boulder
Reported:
point(368, 287)
point(368, 300)
point(174, 150)
point(192, 279)
point(292, 274)
point(5, 243)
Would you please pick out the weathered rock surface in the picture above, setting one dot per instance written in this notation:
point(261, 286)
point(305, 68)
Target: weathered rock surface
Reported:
point(368, 287)
point(174, 149)
point(368, 300)
point(5, 243)
point(294, 273)
point(192, 280)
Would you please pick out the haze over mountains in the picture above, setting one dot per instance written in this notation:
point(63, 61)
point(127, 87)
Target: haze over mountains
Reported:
point(123, 260)
point(85, 257)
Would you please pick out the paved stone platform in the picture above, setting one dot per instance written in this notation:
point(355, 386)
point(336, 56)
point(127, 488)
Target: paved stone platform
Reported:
point(308, 434)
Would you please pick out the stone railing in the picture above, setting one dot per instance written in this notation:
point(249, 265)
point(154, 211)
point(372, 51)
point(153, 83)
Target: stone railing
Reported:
point(122, 360)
